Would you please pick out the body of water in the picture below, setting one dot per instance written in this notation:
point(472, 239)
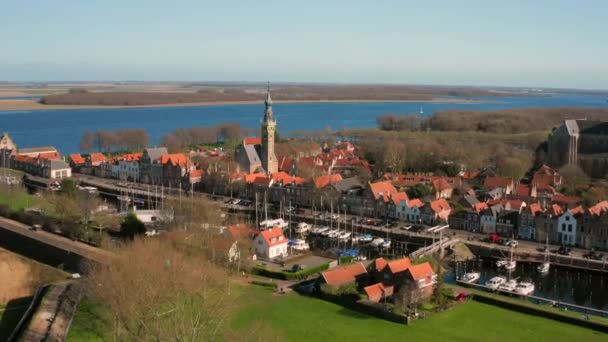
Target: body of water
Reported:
point(561, 284)
point(63, 129)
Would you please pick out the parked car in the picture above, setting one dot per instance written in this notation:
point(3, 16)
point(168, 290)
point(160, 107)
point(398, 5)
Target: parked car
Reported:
point(563, 250)
point(407, 227)
point(593, 255)
point(35, 227)
point(512, 243)
point(300, 211)
point(297, 268)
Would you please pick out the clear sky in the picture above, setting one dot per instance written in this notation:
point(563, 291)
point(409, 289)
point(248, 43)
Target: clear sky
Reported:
point(487, 42)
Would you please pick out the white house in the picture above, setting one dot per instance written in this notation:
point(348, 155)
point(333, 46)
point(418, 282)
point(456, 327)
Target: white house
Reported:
point(566, 226)
point(270, 243)
point(127, 170)
point(409, 210)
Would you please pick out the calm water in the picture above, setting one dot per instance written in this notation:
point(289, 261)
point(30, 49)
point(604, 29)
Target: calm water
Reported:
point(64, 128)
point(566, 285)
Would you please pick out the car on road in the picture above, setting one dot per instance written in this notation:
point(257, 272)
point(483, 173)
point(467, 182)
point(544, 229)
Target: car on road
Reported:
point(408, 227)
point(593, 255)
point(35, 227)
point(297, 268)
point(512, 243)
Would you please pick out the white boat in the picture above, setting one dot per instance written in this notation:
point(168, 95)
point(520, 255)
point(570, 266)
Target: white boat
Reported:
point(495, 282)
point(300, 245)
point(303, 227)
point(543, 268)
point(333, 233)
point(501, 263)
point(377, 242)
point(319, 230)
point(366, 238)
point(509, 286)
point(344, 236)
point(470, 278)
point(510, 265)
point(525, 288)
point(267, 224)
point(386, 243)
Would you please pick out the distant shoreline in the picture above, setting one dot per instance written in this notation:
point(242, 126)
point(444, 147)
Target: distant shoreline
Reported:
point(16, 105)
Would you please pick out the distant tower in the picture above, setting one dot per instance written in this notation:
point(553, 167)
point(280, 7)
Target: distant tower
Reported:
point(269, 124)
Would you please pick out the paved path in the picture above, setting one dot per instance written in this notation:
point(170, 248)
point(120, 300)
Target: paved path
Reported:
point(82, 249)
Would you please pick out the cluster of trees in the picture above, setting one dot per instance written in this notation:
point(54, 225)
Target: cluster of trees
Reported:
point(512, 121)
point(132, 139)
point(194, 136)
point(444, 152)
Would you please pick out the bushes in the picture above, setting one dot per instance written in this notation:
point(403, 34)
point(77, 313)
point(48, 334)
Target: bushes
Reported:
point(265, 272)
point(343, 290)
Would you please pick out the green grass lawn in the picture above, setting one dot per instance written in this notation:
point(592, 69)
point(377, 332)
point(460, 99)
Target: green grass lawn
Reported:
point(298, 318)
point(293, 317)
point(18, 199)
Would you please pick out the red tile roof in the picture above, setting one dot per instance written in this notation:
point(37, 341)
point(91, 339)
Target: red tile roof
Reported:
point(175, 159)
point(77, 159)
point(263, 180)
point(535, 208)
point(578, 210)
point(251, 177)
point(556, 210)
point(376, 292)
point(440, 205)
point(252, 141)
point(97, 157)
point(383, 189)
point(273, 237)
point(479, 207)
point(196, 173)
point(323, 181)
point(49, 156)
point(563, 199)
point(496, 182)
point(344, 274)
point(132, 156)
point(522, 190)
point(440, 184)
point(421, 271)
point(399, 265)
point(379, 264)
point(416, 202)
point(599, 208)
point(240, 230)
point(398, 197)
point(470, 175)
point(285, 164)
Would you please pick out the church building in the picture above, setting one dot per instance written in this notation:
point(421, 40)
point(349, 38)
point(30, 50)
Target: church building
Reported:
point(257, 155)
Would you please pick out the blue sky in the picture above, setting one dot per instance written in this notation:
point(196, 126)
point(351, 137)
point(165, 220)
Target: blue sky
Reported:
point(521, 43)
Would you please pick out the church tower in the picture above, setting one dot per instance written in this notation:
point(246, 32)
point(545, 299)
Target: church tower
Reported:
point(269, 124)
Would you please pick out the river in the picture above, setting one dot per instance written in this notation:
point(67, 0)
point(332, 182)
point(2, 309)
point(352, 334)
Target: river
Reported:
point(562, 284)
point(63, 129)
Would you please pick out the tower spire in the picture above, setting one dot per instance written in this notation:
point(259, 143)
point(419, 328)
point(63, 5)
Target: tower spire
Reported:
point(268, 103)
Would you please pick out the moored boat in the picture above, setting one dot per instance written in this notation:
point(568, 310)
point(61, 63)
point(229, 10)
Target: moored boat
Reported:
point(510, 265)
point(470, 277)
point(501, 263)
point(299, 245)
point(543, 268)
point(509, 286)
point(525, 288)
point(377, 242)
point(495, 282)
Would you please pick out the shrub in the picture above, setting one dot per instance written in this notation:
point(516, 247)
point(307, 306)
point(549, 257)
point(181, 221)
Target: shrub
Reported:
point(265, 272)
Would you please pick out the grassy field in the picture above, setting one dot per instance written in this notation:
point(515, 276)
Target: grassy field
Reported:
point(17, 199)
point(297, 318)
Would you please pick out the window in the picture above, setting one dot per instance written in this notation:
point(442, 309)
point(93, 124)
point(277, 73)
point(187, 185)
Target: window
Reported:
point(567, 218)
point(569, 228)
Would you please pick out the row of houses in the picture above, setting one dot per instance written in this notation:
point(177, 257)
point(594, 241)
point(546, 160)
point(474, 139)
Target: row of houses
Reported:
point(152, 166)
point(45, 162)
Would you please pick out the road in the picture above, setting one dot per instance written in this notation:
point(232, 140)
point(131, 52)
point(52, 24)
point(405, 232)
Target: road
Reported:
point(76, 247)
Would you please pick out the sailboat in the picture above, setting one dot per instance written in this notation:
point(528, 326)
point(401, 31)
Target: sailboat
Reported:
point(544, 267)
point(511, 264)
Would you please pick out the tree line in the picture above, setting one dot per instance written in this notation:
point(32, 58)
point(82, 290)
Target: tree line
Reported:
point(513, 120)
point(193, 136)
point(131, 139)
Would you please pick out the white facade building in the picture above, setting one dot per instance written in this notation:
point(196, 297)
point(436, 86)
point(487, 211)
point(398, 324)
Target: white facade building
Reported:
point(270, 243)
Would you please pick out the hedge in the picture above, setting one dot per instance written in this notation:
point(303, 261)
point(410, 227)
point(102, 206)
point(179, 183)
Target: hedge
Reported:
point(265, 272)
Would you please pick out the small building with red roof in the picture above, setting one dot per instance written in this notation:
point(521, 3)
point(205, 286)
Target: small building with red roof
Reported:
point(270, 243)
point(377, 292)
point(344, 275)
point(435, 211)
